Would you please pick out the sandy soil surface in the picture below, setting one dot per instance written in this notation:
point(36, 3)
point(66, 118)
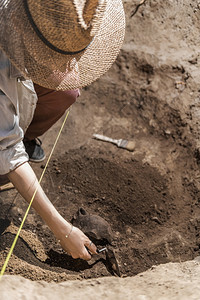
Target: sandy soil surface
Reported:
point(170, 281)
point(150, 196)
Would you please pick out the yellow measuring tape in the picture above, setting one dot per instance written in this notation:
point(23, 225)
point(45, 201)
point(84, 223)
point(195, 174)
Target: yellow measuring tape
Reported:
point(27, 211)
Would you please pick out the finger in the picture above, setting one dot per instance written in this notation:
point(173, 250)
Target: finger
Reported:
point(85, 255)
point(91, 246)
point(75, 256)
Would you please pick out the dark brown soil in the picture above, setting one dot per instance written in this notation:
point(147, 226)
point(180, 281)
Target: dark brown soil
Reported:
point(148, 224)
point(150, 197)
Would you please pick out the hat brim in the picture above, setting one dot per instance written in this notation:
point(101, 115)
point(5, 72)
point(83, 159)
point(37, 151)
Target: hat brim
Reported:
point(53, 70)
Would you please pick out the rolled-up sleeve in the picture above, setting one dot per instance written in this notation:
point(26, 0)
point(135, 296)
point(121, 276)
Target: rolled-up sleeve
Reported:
point(12, 151)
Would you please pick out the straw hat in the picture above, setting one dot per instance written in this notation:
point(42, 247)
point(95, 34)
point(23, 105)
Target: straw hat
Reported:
point(62, 44)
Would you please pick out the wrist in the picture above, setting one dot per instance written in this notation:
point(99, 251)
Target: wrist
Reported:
point(60, 227)
point(65, 236)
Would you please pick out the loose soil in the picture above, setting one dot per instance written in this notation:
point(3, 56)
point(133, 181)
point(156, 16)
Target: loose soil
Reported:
point(150, 196)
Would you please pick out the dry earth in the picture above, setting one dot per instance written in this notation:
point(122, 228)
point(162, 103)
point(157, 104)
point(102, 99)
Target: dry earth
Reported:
point(150, 196)
point(170, 281)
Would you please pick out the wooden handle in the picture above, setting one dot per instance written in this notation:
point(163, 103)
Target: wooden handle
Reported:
point(7, 186)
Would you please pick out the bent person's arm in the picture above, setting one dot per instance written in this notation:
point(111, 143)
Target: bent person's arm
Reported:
point(25, 181)
point(14, 159)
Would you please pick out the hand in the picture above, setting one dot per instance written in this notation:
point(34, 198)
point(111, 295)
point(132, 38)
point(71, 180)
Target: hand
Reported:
point(75, 244)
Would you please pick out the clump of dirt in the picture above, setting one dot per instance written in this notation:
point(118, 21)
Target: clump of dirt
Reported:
point(150, 196)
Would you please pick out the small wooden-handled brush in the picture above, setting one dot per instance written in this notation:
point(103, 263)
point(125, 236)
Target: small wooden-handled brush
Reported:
point(6, 186)
point(128, 145)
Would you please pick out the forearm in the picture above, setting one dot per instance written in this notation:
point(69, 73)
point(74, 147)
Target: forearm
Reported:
point(25, 181)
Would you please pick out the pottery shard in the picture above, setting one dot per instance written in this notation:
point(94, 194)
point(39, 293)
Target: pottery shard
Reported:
point(94, 226)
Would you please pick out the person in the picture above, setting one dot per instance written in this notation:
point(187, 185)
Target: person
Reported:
point(48, 51)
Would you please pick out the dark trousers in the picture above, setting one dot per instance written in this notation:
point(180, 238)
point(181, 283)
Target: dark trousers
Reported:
point(50, 108)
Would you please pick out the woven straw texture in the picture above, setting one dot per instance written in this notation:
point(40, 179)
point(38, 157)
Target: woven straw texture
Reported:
point(69, 25)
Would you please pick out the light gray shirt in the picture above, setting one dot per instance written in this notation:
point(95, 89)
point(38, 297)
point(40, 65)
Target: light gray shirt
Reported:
point(17, 104)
